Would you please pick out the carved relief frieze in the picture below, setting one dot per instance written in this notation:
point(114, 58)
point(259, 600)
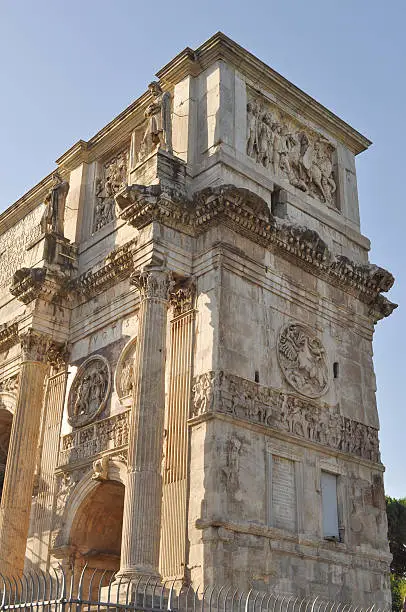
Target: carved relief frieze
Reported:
point(303, 361)
point(291, 151)
point(101, 436)
point(286, 412)
point(112, 180)
point(89, 391)
point(124, 376)
point(10, 384)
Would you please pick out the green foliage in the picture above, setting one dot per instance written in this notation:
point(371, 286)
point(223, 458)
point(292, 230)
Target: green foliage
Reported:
point(396, 511)
point(398, 588)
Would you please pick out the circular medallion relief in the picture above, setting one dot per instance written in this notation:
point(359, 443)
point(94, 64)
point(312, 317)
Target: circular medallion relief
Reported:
point(302, 358)
point(89, 391)
point(124, 376)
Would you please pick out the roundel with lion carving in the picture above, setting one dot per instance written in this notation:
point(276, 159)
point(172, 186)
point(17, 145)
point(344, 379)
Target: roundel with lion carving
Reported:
point(303, 359)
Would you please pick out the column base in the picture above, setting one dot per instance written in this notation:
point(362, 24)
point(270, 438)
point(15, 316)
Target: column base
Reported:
point(138, 573)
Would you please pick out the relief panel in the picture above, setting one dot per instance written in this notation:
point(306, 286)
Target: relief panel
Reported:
point(291, 151)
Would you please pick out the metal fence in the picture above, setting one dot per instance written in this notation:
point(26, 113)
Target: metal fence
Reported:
point(101, 590)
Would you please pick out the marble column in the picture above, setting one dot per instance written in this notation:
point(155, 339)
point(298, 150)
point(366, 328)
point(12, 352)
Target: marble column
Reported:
point(22, 454)
point(143, 494)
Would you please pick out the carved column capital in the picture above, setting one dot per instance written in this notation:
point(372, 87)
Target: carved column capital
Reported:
point(183, 296)
point(36, 346)
point(153, 283)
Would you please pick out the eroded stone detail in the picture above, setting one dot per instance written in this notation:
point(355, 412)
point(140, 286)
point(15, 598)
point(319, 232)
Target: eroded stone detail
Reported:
point(101, 468)
point(281, 143)
point(158, 133)
point(244, 399)
point(89, 391)
point(52, 221)
point(93, 439)
point(13, 244)
point(182, 299)
point(118, 265)
point(303, 361)
point(113, 180)
point(154, 283)
point(124, 376)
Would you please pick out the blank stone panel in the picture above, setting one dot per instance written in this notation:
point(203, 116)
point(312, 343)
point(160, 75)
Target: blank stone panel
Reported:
point(283, 493)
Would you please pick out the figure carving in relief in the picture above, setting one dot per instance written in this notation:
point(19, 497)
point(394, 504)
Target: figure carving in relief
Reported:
point(53, 218)
point(127, 377)
point(89, 391)
point(158, 133)
point(107, 186)
point(305, 159)
point(232, 466)
point(101, 469)
point(302, 359)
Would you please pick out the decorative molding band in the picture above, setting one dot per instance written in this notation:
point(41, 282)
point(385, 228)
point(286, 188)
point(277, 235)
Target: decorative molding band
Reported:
point(98, 437)
point(118, 266)
point(8, 335)
point(220, 392)
point(248, 214)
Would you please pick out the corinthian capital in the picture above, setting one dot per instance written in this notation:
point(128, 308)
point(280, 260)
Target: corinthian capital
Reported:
point(153, 283)
point(40, 347)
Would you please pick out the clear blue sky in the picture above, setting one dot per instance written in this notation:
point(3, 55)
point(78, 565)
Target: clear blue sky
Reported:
point(69, 66)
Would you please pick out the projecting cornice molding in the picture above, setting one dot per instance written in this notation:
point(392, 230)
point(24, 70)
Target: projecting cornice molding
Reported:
point(248, 214)
point(118, 265)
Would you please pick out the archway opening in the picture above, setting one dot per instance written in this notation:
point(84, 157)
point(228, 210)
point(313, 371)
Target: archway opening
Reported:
point(95, 536)
point(6, 421)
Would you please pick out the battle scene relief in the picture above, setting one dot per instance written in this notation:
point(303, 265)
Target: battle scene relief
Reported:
point(113, 178)
point(290, 151)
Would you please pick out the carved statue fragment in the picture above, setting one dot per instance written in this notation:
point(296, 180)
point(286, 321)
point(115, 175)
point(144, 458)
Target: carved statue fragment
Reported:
point(291, 151)
point(302, 358)
point(158, 132)
point(89, 391)
point(53, 218)
point(124, 376)
point(112, 180)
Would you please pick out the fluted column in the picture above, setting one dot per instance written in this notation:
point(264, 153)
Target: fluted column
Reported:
point(142, 502)
point(22, 454)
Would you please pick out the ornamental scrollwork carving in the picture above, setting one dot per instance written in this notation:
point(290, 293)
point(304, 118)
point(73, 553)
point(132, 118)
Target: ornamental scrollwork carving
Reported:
point(113, 180)
point(124, 375)
point(89, 391)
point(278, 142)
point(303, 361)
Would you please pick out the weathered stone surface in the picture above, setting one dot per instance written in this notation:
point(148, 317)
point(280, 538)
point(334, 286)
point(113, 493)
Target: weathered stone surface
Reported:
point(186, 323)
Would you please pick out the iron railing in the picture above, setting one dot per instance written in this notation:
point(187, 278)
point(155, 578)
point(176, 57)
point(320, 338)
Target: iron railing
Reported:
point(101, 590)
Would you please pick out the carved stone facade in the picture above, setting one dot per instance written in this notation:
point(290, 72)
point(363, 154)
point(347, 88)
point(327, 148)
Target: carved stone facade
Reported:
point(112, 180)
point(187, 375)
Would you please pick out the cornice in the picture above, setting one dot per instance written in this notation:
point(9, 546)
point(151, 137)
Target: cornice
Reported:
point(249, 215)
point(220, 47)
point(118, 265)
point(8, 335)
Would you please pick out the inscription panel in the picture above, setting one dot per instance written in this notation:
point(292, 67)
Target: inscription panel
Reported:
point(13, 244)
point(283, 493)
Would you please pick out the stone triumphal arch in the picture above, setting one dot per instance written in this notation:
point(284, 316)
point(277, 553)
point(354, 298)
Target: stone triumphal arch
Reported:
point(187, 310)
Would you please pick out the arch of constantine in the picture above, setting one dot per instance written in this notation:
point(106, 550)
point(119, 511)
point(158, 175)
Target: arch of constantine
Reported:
point(187, 310)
